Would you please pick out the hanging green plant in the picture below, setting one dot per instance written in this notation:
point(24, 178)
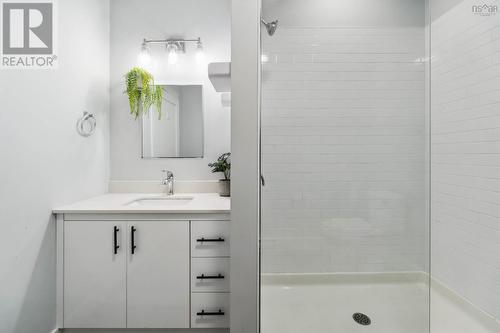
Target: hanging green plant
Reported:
point(142, 92)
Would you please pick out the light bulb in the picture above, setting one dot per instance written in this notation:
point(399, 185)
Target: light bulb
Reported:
point(172, 54)
point(200, 55)
point(172, 57)
point(144, 58)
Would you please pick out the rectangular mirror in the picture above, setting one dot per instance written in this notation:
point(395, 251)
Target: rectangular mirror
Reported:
point(179, 131)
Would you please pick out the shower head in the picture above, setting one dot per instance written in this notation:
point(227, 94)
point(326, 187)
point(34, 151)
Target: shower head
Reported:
point(270, 27)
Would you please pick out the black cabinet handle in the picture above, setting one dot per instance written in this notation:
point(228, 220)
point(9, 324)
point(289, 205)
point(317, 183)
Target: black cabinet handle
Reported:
point(115, 239)
point(201, 240)
point(203, 276)
point(205, 313)
point(132, 239)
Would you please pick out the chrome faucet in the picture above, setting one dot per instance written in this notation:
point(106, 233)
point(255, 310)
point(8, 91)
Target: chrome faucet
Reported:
point(168, 182)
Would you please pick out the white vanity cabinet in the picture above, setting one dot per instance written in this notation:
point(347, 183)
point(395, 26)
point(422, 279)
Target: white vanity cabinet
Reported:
point(143, 271)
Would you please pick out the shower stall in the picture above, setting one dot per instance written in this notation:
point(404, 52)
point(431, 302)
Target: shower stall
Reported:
point(380, 161)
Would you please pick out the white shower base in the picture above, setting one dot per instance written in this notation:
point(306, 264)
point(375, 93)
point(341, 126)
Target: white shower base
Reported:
point(395, 302)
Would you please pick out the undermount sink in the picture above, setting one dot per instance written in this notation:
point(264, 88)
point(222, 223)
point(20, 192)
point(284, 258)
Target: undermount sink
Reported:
point(161, 201)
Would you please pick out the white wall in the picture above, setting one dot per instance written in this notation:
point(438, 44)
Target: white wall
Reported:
point(343, 137)
point(466, 153)
point(45, 163)
point(133, 20)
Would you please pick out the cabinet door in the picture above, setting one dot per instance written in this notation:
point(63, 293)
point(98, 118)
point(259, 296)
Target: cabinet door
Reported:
point(94, 276)
point(158, 274)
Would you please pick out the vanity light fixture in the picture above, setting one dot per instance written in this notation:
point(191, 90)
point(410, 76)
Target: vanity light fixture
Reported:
point(173, 46)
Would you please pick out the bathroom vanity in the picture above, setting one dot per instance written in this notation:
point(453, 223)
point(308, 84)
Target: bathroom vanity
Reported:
point(144, 261)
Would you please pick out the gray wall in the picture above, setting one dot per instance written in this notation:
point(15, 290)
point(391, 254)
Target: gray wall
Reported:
point(440, 7)
point(45, 163)
point(133, 20)
point(325, 13)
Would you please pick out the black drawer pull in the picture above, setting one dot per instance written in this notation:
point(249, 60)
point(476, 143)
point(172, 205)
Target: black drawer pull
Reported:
point(132, 241)
point(203, 276)
point(204, 313)
point(201, 240)
point(115, 239)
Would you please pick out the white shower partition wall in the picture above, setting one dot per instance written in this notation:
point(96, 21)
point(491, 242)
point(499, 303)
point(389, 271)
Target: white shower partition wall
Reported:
point(245, 117)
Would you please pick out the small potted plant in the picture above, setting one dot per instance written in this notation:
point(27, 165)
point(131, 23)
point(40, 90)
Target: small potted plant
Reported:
point(223, 164)
point(142, 92)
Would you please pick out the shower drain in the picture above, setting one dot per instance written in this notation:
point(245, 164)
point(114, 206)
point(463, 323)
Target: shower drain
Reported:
point(361, 319)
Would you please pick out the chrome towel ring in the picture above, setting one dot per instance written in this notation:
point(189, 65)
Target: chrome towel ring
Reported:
point(85, 126)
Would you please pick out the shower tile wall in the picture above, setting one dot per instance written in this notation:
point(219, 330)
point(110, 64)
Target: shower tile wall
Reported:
point(466, 154)
point(343, 150)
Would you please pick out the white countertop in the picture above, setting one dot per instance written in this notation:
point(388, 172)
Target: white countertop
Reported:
point(119, 203)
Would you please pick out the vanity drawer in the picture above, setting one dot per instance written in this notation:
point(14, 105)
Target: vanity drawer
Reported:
point(210, 238)
point(209, 310)
point(210, 275)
